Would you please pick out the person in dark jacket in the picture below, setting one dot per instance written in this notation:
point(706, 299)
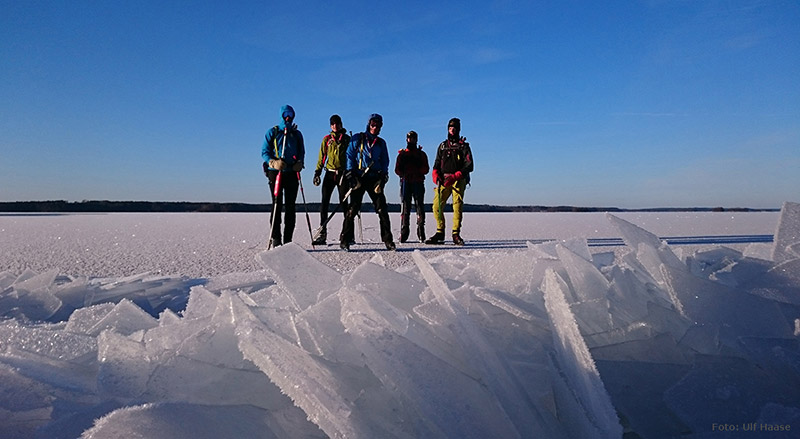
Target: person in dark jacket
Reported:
point(367, 172)
point(283, 153)
point(412, 167)
point(332, 158)
point(451, 172)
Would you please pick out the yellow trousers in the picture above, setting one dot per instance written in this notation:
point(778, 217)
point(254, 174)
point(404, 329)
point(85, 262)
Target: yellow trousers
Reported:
point(440, 197)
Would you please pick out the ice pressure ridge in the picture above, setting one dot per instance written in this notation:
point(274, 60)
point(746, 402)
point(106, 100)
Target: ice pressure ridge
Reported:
point(551, 341)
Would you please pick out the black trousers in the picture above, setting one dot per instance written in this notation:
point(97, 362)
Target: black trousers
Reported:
point(332, 180)
point(412, 192)
point(283, 203)
point(368, 186)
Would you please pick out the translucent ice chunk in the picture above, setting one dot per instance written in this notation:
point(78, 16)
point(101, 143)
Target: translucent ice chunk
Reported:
point(126, 318)
point(788, 233)
point(124, 365)
point(306, 279)
point(576, 362)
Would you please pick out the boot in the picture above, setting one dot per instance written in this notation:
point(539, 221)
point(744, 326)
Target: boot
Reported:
point(275, 242)
point(457, 238)
point(404, 234)
point(390, 246)
point(437, 238)
point(344, 245)
point(421, 232)
point(322, 238)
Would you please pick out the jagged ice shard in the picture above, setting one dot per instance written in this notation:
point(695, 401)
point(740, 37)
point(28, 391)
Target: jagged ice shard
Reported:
point(545, 341)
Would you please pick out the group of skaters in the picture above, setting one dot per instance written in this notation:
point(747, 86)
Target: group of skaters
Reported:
point(357, 165)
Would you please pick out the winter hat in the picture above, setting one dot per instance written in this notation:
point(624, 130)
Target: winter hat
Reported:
point(376, 117)
point(455, 122)
point(411, 137)
point(336, 119)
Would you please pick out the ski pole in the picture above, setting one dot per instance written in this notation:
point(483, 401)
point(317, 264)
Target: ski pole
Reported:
point(330, 215)
point(308, 218)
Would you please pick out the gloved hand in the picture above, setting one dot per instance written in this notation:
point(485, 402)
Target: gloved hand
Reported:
point(353, 180)
point(381, 182)
point(435, 176)
point(265, 166)
point(278, 164)
point(450, 179)
point(297, 167)
point(317, 179)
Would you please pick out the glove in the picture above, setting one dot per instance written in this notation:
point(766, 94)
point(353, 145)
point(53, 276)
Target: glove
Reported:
point(435, 176)
point(297, 167)
point(317, 179)
point(265, 166)
point(278, 164)
point(353, 180)
point(450, 179)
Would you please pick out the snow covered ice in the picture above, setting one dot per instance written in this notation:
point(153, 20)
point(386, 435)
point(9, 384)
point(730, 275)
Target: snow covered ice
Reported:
point(545, 340)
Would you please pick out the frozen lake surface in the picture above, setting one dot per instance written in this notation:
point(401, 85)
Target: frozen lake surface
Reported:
point(209, 244)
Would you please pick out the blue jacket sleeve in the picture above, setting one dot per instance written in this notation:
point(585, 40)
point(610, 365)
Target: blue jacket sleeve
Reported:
point(267, 153)
point(352, 153)
point(384, 159)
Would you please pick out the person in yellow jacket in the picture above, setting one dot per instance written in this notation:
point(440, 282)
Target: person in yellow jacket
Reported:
point(332, 160)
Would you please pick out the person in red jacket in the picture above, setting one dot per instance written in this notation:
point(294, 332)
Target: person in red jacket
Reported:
point(412, 166)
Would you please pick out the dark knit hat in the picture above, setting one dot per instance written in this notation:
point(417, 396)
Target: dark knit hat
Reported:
point(336, 119)
point(412, 135)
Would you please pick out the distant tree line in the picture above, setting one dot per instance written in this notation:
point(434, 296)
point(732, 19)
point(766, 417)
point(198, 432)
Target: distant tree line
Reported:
point(88, 206)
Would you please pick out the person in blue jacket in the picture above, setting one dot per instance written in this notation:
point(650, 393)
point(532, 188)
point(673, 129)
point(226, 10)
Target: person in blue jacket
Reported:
point(283, 152)
point(367, 170)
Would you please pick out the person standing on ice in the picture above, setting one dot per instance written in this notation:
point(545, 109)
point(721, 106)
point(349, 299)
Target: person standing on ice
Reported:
point(332, 157)
point(367, 170)
point(412, 167)
point(283, 152)
point(451, 170)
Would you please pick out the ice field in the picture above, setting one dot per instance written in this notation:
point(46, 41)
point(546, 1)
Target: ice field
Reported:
point(544, 325)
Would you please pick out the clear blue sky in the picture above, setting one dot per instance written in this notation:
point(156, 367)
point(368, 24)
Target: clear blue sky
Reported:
point(615, 103)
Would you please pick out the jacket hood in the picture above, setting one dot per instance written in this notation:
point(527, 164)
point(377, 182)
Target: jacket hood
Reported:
point(286, 110)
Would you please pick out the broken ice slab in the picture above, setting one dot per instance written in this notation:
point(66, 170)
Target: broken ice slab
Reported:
point(780, 283)
point(202, 303)
point(126, 318)
point(187, 420)
point(439, 393)
point(124, 366)
point(735, 311)
point(479, 351)
point(645, 413)
point(247, 282)
point(788, 234)
point(662, 348)
point(50, 341)
point(311, 384)
point(726, 390)
point(587, 282)
point(635, 237)
point(306, 279)
point(401, 291)
point(509, 272)
point(576, 362)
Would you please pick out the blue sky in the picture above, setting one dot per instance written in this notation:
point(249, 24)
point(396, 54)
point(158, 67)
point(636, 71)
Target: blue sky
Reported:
point(619, 103)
